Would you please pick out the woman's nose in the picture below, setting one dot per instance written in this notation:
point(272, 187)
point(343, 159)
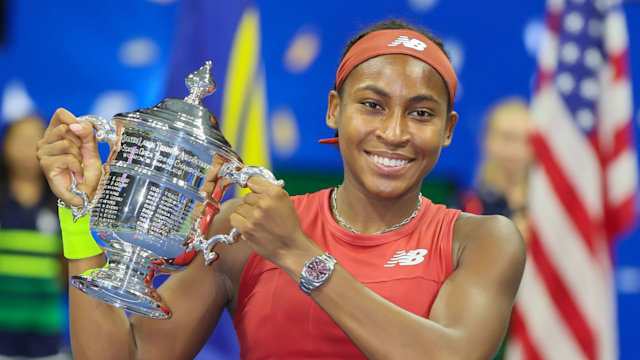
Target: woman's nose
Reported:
point(393, 129)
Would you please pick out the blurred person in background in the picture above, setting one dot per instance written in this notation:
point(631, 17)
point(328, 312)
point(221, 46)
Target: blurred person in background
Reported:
point(31, 313)
point(503, 172)
point(501, 183)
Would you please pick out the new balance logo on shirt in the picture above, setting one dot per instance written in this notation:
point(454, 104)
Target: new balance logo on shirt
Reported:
point(410, 43)
point(403, 257)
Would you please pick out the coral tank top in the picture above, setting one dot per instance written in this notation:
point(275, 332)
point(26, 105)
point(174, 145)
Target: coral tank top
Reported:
point(275, 320)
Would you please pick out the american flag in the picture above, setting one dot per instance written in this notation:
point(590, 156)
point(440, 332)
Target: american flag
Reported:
point(583, 185)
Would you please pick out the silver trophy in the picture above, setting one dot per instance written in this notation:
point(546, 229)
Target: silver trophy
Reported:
point(151, 209)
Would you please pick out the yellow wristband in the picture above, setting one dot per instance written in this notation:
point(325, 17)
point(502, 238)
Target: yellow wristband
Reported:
point(77, 241)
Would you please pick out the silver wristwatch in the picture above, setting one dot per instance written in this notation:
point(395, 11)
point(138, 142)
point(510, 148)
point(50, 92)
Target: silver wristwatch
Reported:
point(316, 271)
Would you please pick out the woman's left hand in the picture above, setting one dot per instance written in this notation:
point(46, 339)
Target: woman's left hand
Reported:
point(267, 219)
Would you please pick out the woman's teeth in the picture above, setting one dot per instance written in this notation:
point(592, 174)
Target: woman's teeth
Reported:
point(388, 162)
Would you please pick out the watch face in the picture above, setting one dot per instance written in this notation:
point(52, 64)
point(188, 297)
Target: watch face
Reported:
point(317, 270)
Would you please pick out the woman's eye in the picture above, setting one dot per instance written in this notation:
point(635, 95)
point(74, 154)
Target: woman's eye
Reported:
point(422, 113)
point(372, 105)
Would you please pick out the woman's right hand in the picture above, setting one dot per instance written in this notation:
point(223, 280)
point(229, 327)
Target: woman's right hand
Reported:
point(69, 146)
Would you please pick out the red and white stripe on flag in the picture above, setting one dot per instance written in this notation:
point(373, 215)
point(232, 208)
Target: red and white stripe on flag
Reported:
point(583, 185)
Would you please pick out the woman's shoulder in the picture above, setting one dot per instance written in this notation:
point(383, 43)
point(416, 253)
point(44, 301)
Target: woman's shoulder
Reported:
point(311, 205)
point(318, 195)
point(486, 235)
point(469, 221)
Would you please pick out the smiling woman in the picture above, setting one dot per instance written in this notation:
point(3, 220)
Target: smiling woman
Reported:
point(393, 121)
point(370, 269)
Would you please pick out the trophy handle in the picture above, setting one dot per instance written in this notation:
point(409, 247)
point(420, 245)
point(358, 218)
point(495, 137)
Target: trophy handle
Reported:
point(76, 211)
point(105, 131)
point(238, 174)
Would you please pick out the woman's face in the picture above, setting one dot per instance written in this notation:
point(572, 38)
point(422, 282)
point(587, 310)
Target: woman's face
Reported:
point(19, 148)
point(392, 120)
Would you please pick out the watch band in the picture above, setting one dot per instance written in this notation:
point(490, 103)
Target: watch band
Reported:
point(316, 271)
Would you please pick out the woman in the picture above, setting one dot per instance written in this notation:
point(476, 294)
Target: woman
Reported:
point(455, 275)
point(31, 281)
point(504, 170)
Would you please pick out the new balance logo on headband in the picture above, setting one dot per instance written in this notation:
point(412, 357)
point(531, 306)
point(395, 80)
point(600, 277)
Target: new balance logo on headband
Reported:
point(410, 43)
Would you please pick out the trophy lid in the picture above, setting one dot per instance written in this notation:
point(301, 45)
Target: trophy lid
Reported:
point(187, 116)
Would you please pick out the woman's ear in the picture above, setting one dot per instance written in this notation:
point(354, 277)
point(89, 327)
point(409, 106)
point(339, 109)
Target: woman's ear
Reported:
point(332, 109)
point(452, 120)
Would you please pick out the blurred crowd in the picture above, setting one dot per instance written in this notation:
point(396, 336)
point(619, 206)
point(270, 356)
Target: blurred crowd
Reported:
point(32, 269)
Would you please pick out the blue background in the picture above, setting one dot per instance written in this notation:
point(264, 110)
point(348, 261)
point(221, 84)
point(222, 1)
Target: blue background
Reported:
point(120, 55)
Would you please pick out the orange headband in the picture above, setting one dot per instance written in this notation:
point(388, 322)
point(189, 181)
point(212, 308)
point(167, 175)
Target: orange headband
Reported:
point(397, 41)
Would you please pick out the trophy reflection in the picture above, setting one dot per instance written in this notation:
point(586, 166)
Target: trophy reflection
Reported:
point(162, 184)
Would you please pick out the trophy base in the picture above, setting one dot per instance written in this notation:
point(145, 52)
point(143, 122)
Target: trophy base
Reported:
point(146, 303)
point(125, 281)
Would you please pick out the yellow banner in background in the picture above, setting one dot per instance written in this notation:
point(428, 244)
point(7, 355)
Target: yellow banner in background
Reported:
point(244, 107)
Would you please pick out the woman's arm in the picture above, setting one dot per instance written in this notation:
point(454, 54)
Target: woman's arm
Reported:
point(196, 295)
point(468, 318)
